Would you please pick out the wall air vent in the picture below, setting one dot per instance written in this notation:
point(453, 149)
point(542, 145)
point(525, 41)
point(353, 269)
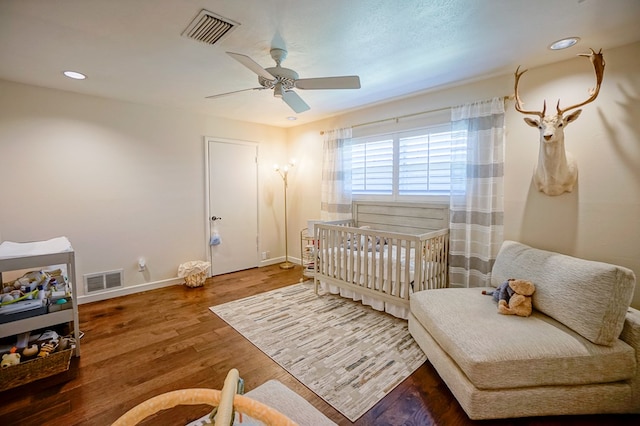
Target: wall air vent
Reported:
point(209, 28)
point(102, 281)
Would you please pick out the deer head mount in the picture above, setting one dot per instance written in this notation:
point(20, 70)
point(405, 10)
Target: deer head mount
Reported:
point(556, 171)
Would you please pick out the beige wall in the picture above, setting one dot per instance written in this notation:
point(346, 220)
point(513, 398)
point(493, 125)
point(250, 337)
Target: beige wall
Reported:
point(600, 220)
point(120, 180)
point(123, 180)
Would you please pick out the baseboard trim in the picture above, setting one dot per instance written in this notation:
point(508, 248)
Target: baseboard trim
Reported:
point(138, 288)
point(125, 291)
point(276, 260)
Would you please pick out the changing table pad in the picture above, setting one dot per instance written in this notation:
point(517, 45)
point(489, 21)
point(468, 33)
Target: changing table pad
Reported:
point(9, 249)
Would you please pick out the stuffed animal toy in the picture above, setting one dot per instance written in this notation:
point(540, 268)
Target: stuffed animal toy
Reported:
point(10, 359)
point(504, 292)
point(30, 351)
point(66, 343)
point(47, 348)
point(514, 297)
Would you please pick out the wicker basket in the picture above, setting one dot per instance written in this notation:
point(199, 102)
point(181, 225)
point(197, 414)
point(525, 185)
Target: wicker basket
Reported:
point(35, 369)
point(195, 280)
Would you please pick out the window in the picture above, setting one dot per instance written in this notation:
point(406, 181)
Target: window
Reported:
point(372, 167)
point(409, 163)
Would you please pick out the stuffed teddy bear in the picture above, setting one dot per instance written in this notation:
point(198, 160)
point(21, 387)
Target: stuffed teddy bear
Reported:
point(514, 297)
point(10, 359)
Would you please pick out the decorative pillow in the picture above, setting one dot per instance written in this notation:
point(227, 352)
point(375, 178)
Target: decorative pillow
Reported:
point(587, 296)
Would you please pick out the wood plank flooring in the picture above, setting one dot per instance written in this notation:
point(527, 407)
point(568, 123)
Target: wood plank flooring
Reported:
point(142, 345)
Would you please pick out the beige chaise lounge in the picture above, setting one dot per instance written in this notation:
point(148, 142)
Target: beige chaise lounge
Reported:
point(579, 352)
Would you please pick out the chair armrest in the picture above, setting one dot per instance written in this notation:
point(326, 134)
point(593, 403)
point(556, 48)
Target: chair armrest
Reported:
point(631, 336)
point(631, 330)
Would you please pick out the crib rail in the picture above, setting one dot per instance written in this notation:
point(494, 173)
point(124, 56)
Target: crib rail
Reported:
point(385, 265)
point(436, 260)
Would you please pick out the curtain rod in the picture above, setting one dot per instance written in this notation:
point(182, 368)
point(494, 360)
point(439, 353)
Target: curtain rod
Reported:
point(505, 98)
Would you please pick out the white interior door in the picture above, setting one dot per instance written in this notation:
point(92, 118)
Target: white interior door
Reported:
point(233, 205)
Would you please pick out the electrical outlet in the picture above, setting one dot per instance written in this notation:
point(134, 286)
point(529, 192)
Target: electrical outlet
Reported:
point(264, 255)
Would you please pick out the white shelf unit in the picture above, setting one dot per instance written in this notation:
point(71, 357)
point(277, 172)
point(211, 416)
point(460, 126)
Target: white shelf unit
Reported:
point(307, 254)
point(45, 320)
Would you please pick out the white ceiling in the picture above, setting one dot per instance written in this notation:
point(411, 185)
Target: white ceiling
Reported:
point(133, 50)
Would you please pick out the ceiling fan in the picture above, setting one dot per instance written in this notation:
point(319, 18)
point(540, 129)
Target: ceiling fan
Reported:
point(284, 80)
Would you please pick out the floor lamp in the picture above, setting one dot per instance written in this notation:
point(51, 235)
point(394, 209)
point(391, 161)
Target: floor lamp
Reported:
point(284, 173)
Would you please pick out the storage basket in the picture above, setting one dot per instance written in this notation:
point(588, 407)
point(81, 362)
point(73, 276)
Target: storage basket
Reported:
point(35, 369)
point(194, 272)
point(195, 280)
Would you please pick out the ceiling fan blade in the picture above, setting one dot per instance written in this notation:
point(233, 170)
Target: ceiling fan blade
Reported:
point(235, 91)
point(344, 82)
point(296, 103)
point(252, 65)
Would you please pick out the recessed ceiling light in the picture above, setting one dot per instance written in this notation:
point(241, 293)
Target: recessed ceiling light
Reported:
point(75, 75)
point(564, 43)
point(292, 118)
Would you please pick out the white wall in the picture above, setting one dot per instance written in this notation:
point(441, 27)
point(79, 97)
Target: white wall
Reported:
point(120, 180)
point(600, 220)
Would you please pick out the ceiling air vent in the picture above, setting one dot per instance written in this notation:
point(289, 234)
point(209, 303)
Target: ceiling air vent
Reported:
point(209, 28)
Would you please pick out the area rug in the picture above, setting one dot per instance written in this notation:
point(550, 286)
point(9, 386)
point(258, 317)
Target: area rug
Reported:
point(348, 354)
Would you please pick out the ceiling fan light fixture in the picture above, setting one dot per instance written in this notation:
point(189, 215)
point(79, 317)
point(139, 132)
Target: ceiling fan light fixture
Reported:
point(277, 90)
point(564, 43)
point(284, 80)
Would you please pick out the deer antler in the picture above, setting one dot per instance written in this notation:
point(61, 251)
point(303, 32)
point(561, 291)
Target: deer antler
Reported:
point(519, 102)
point(598, 65)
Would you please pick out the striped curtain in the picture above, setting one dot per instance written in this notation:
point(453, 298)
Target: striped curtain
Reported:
point(335, 193)
point(477, 192)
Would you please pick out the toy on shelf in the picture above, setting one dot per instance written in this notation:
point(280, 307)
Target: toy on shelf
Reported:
point(30, 351)
point(10, 359)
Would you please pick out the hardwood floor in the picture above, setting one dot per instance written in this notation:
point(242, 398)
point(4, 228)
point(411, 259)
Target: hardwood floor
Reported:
point(142, 345)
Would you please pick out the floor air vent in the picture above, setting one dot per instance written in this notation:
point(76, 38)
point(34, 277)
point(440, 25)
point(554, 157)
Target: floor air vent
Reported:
point(102, 281)
point(209, 28)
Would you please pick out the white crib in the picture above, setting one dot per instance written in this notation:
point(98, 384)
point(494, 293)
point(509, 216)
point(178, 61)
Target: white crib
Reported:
point(385, 253)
